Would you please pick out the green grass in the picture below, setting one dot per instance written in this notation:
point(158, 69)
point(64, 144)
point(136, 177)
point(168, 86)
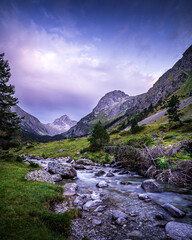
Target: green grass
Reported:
point(51, 149)
point(24, 206)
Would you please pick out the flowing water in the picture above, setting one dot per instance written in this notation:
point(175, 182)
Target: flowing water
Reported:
point(86, 180)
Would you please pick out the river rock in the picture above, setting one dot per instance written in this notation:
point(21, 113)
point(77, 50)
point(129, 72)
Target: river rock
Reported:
point(102, 184)
point(64, 170)
point(96, 222)
point(57, 177)
point(173, 210)
point(110, 174)
point(88, 167)
point(118, 214)
point(135, 233)
point(150, 185)
point(84, 161)
point(82, 199)
point(40, 175)
point(79, 166)
point(144, 197)
point(100, 208)
point(91, 205)
point(95, 196)
point(121, 221)
point(179, 231)
point(99, 173)
point(70, 189)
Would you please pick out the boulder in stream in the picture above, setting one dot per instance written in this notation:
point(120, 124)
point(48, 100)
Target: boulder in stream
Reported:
point(179, 231)
point(151, 185)
point(110, 174)
point(102, 184)
point(64, 170)
point(99, 173)
point(173, 210)
point(40, 175)
point(84, 161)
point(79, 166)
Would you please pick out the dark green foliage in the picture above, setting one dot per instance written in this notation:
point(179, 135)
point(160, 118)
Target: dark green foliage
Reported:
point(8, 120)
point(33, 165)
point(188, 147)
point(99, 137)
point(114, 131)
point(134, 126)
point(173, 110)
point(6, 156)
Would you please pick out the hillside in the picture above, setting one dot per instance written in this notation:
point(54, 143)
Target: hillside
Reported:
point(116, 107)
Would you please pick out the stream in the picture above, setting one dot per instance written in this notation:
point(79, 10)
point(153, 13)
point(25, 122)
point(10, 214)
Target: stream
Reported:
point(147, 219)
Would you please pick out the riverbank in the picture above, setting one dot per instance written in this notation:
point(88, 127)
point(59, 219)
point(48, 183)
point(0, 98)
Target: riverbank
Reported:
point(24, 205)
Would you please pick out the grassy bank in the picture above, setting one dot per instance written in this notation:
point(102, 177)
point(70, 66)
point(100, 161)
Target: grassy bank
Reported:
point(24, 206)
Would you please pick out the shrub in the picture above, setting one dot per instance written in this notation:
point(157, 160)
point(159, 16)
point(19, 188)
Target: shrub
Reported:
point(162, 162)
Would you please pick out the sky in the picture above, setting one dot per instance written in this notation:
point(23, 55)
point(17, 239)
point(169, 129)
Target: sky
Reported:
point(65, 55)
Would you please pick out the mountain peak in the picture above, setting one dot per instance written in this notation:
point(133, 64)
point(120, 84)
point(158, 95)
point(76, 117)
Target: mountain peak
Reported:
point(62, 119)
point(110, 99)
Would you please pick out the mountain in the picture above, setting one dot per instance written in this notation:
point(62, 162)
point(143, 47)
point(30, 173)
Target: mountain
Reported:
point(116, 106)
point(60, 125)
point(29, 123)
point(32, 126)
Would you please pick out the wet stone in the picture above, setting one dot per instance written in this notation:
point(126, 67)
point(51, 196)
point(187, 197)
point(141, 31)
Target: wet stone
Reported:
point(173, 210)
point(96, 222)
point(121, 221)
point(179, 231)
point(118, 214)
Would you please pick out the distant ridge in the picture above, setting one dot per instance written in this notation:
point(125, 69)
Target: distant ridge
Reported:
point(32, 126)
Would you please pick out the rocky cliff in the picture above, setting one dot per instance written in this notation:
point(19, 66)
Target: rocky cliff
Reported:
point(118, 105)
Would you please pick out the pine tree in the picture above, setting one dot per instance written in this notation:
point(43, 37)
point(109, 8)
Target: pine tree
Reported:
point(134, 125)
point(8, 120)
point(173, 110)
point(99, 137)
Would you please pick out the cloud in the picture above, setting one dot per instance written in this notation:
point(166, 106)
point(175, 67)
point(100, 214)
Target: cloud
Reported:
point(53, 72)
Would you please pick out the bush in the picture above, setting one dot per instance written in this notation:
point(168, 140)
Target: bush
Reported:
point(162, 162)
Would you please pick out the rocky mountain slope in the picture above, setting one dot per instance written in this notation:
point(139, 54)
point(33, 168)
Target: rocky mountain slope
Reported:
point(60, 125)
point(117, 106)
point(32, 125)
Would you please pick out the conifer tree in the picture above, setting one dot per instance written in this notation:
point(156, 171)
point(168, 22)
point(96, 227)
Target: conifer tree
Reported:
point(99, 137)
point(8, 120)
point(173, 110)
point(134, 125)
